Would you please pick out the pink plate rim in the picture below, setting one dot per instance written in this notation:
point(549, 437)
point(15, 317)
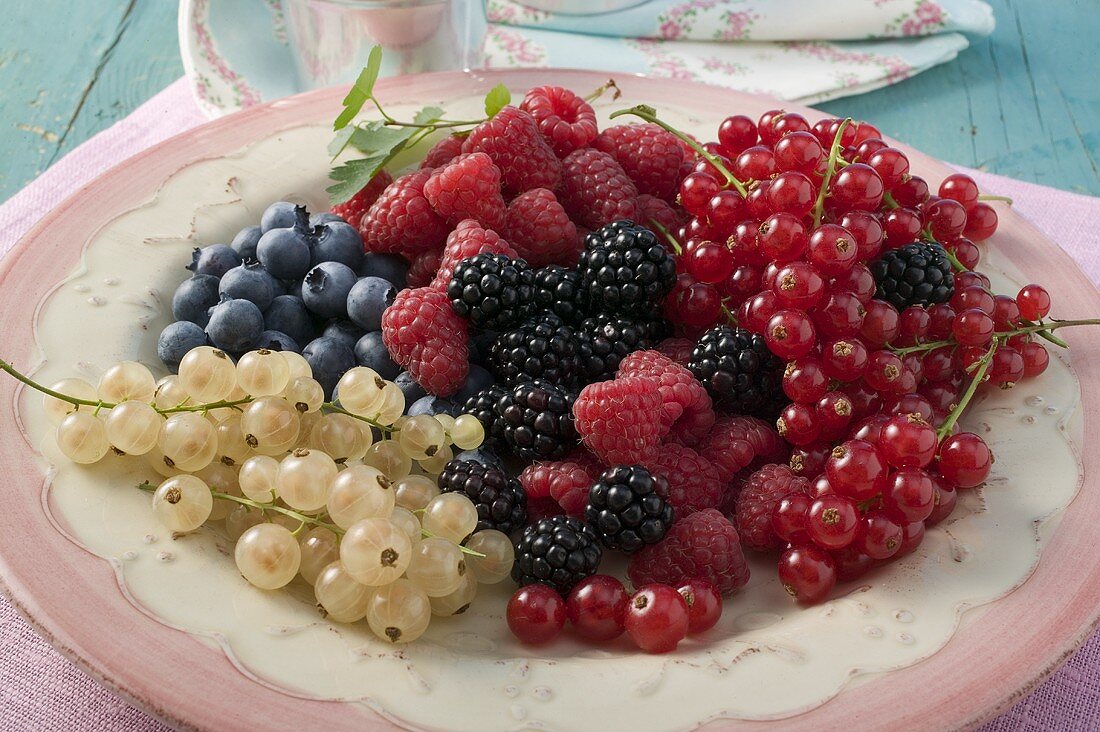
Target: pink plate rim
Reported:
point(72, 599)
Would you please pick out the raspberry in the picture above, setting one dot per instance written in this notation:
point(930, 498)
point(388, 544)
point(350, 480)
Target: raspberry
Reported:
point(539, 229)
point(653, 211)
point(729, 447)
point(567, 121)
point(765, 440)
point(423, 334)
point(762, 491)
point(443, 152)
point(650, 155)
point(352, 210)
point(693, 483)
point(687, 406)
point(467, 240)
point(567, 481)
point(423, 268)
point(468, 187)
point(678, 349)
point(512, 140)
point(621, 420)
point(594, 189)
point(401, 220)
point(703, 545)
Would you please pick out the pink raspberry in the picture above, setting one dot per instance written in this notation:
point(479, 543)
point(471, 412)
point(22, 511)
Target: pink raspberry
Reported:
point(703, 545)
point(765, 440)
point(401, 220)
point(650, 155)
point(652, 209)
point(423, 267)
point(760, 494)
point(567, 481)
point(730, 446)
point(621, 420)
point(688, 411)
point(423, 334)
point(468, 239)
point(678, 349)
point(567, 121)
point(468, 187)
point(693, 483)
point(512, 140)
point(443, 152)
point(540, 230)
point(595, 190)
point(352, 210)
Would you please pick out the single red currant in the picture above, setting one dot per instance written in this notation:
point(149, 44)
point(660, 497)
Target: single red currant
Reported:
point(807, 572)
point(789, 518)
point(857, 469)
point(972, 327)
point(981, 222)
point(964, 460)
point(736, 133)
point(879, 536)
point(881, 324)
point(1036, 358)
point(844, 359)
point(909, 495)
point(536, 614)
point(782, 237)
point(804, 380)
point(908, 441)
point(657, 618)
point(790, 334)
point(833, 250)
point(1034, 302)
point(832, 521)
point(596, 607)
point(704, 604)
point(960, 187)
point(798, 425)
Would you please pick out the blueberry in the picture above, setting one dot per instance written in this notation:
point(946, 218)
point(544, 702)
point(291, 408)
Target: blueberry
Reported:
point(387, 266)
point(372, 353)
point(432, 405)
point(326, 287)
point(344, 331)
point(235, 325)
point(274, 340)
point(408, 386)
point(368, 299)
point(337, 241)
point(216, 259)
point(176, 340)
point(284, 253)
point(325, 217)
point(481, 456)
point(194, 298)
point(287, 314)
point(330, 359)
point(244, 243)
point(249, 282)
point(279, 215)
point(478, 379)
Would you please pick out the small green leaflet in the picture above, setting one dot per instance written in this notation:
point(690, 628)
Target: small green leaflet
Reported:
point(428, 115)
point(497, 98)
point(353, 175)
point(361, 90)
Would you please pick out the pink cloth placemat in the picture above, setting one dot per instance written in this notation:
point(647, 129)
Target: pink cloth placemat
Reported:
point(39, 689)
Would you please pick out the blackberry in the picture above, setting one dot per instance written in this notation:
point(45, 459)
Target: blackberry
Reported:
point(500, 500)
point(558, 551)
point(625, 508)
point(915, 274)
point(739, 371)
point(605, 340)
point(491, 290)
point(626, 269)
point(538, 421)
point(559, 291)
point(483, 405)
point(541, 348)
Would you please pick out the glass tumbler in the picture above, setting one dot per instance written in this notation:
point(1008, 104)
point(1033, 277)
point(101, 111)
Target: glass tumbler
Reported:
point(331, 38)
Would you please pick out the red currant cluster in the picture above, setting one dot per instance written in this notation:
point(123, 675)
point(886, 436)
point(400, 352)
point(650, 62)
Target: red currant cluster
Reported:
point(656, 617)
point(786, 221)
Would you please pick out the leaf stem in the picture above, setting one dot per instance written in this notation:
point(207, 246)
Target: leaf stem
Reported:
point(989, 197)
point(667, 234)
point(955, 263)
point(983, 366)
point(830, 171)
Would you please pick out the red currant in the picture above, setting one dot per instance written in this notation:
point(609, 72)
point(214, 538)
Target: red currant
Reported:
point(790, 334)
point(736, 133)
point(704, 604)
point(911, 537)
point(791, 192)
point(981, 222)
point(754, 163)
point(867, 232)
point(832, 521)
point(536, 614)
point(657, 618)
point(1035, 357)
point(798, 151)
point(858, 187)
point(742, 282)
point(804, 380)
point(725, 210)
point(1034, 302)
point(911, 193)
point(902, 226)
point(857, 469)
point(840, 316)
point(944, 504)
point(1007, 367)
point(809, 460)
point(858, 280)
point(972, 327)
point(965, 460)
point(834, 414)
point(966, 252)
point(832, 249)
point(909, 495)
point(807, 572)
point(696, 190)
point(755, 312)
point(700, 306)
point(881, 324)
point(782, 237)
point(972, 297)
point(596, 607)
point(844, 359)
point(710, 263)
point(789, 518)
point(884, 372)
point(946, 218)
point(798, 285)
point(891, 165)
point(960, 187)
point(798, 425)
point(908, 441)
point(879, 536)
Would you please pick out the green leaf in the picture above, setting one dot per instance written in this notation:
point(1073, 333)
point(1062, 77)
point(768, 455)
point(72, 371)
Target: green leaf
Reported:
point(361, 90)
point(497, 98)
point(428, 115)
point(340, 141)
point(352, 176)
point(375, 137)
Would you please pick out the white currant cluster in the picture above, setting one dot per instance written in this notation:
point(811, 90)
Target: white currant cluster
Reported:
point(301, 484)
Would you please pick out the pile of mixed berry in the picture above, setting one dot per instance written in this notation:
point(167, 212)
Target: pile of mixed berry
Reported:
point(648, 345)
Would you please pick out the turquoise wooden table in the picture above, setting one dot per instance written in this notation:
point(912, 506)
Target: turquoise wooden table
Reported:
point(1024, 102)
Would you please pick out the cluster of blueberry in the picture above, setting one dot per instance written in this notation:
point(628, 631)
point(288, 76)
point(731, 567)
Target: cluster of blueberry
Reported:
point(295, 283)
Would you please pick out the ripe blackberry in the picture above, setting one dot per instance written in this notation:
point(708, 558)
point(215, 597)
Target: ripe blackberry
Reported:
point(483, 405)
point(558, 551)
point(559, 291)
point(605, 340)
point(739, 371)
point(538, 421)
point(915, 274)
point(500, 500)
point(626, 508)
point(492, 290)
point(542, 347)
point(626, 269)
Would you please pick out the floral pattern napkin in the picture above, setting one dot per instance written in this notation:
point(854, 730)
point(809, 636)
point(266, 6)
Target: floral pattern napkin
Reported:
point(805, 50)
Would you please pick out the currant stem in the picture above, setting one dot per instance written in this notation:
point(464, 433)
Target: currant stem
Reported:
point(429, 535)
point(649, 114)
point(1040, 329)
point(668, 235)
point(983, 366)
point(990, 197)
point(599, 91)
point(830, 171)
point(955, 263)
